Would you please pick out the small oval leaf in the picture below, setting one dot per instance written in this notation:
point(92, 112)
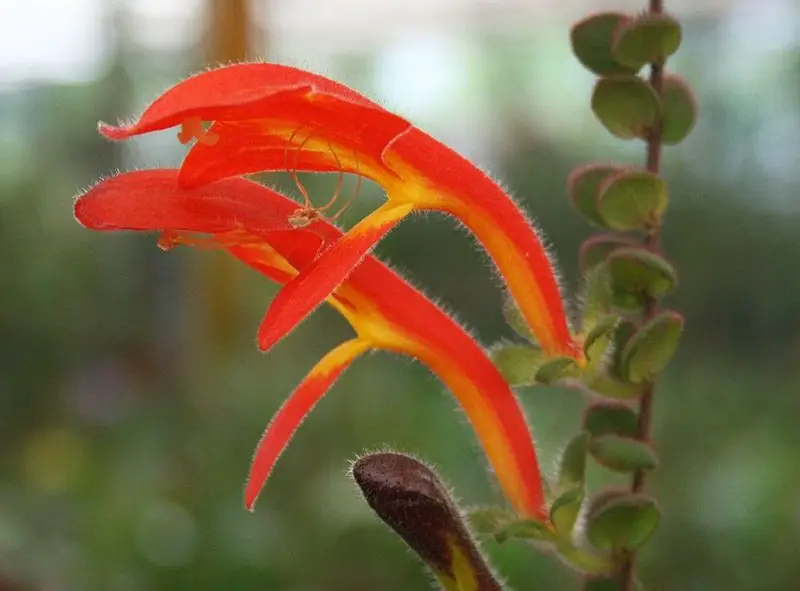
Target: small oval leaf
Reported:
point(526, 529)
point(632, 200)
point(679, 110)
point(623, 333)
point(622, 454)
point(596, 300)
point(565, 509)
point(519, 364)
point(583, 186)
point(637, 274)
point(647, 39)
point(572, 468)
point(649, 350)
point(556, 368)
point(609, 387)
point(592, 39)
point(627, 106)
point(599, 340)
point(610, 418)
point(595, 249)
point(601, 585)
point(623, 524)
point(587, 562)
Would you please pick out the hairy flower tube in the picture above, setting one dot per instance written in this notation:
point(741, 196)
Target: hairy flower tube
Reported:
point(270, 117)
point(386, 313)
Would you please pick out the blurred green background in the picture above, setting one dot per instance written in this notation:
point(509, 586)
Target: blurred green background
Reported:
point(131, 390)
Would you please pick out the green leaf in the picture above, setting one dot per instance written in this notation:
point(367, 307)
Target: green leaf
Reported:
point(519, 364)
point(623, 524)
point(632, 200)
point(564, 510)
point(605, 385)
point(595, 249)
point(556, 368)
point(526, 529)
point(627, 106)
point(489, 520)
point(610, 418)
point(572, 469)
point(625, 330)
point(596, 298)
point(679, 110)
point(601, 585)
point(588, 563)
point(622, 454)
point(647, 39)
point(592, 39)
point(583, 186)
point(516, 320)
point(599, 339)
point(649, 350)
point(637, 274)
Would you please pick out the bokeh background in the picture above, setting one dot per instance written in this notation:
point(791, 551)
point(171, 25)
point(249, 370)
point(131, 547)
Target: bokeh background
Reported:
point(131, 390)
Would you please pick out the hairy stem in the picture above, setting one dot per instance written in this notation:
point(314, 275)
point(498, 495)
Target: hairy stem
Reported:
point(653, 242)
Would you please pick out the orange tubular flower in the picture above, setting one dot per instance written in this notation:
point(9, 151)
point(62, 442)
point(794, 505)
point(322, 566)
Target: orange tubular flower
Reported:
point(385, 312)
point(268, 117)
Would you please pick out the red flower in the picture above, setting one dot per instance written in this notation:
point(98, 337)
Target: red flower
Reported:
point(268, 117)
point(248, 220)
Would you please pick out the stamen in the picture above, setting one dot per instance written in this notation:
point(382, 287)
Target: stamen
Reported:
point(306, 198)
point(355, 192)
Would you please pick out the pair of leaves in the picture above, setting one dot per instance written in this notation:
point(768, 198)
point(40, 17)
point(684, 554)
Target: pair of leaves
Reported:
point(638, 355)
point(637, 275)
point(613, 428)
point(629, 107)
point(617, 197)
point(526, 365)
point(620, 522)
point(633, 274)
point(613, 43)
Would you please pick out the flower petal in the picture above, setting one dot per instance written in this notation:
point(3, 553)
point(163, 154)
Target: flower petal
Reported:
point(188, 101)
point(235, 92)
point(286, 421)
point(318, 279)
point(446, 181)
point(243, 147)
point(152, 200)
point(282, 101)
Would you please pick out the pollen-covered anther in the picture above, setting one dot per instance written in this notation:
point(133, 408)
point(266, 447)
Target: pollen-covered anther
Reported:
point(193, 128)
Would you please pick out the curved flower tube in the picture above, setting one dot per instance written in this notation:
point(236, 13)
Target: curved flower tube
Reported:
point(384, 310)
point(269, 117)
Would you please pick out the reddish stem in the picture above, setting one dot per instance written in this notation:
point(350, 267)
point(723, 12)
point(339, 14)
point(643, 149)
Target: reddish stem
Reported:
point(652, 242)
